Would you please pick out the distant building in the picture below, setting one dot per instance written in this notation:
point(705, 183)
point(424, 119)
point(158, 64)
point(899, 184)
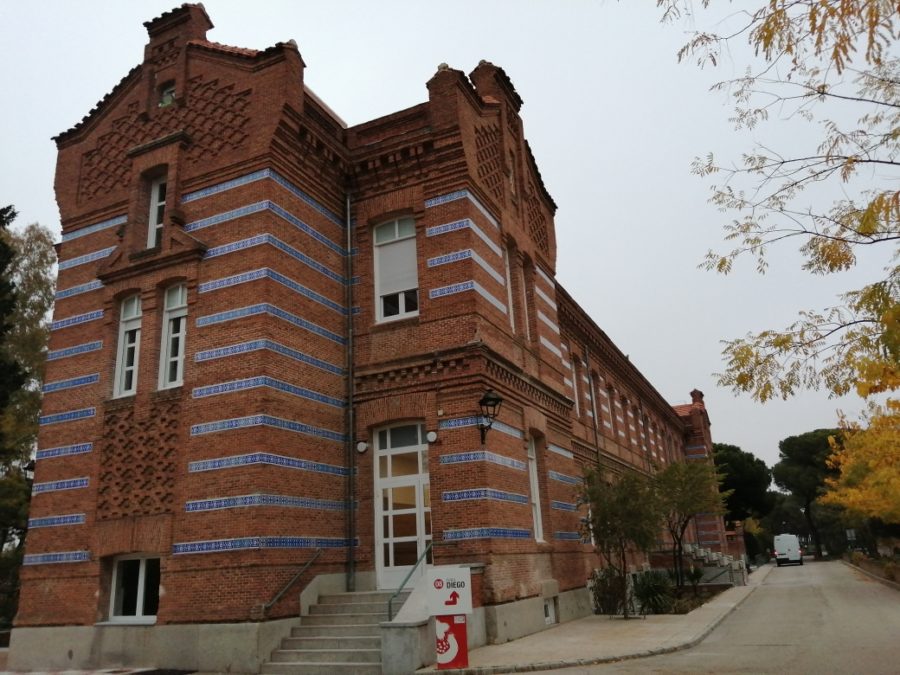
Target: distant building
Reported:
point(271, 336)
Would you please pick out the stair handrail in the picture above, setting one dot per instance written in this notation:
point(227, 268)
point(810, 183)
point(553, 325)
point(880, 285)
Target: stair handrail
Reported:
point(409, 574)
point(266, 607)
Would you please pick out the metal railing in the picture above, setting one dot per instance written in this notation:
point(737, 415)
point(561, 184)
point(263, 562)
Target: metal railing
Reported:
point(266, 607)
point(409, 574)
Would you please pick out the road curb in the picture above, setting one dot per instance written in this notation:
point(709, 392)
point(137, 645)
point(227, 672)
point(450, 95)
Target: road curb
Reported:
point(557, 665)
point(881, 580)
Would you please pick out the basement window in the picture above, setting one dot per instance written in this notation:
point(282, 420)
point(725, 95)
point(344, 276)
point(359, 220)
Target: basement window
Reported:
point(135, 590)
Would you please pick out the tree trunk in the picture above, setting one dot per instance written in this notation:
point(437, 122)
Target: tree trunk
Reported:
point(813, 530)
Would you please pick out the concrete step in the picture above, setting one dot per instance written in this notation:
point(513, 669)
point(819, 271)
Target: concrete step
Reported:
point(332, 642)
point(321, 669)
point(343, 619)
point(363, 656)
point(351, 608)
point(305, 630)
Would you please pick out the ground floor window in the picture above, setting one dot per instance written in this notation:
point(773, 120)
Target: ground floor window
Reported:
point(135, 590)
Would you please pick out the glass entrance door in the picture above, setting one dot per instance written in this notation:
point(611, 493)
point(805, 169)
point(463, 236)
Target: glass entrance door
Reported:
point(402, 502)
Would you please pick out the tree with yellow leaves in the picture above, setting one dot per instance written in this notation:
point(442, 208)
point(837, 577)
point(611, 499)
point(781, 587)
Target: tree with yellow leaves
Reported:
point(827, 62)
point(868, 458)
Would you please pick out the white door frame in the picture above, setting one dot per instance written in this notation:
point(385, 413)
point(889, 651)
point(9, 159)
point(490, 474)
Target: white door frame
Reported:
point(410, 461)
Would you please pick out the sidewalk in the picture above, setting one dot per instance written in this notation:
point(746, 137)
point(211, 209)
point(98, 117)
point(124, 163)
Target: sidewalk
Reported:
point(599, 639)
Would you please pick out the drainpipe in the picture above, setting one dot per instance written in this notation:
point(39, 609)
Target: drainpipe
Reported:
point(350, 421)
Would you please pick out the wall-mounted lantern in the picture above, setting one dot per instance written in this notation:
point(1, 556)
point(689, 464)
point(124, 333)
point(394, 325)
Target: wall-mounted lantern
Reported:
point(490, 406)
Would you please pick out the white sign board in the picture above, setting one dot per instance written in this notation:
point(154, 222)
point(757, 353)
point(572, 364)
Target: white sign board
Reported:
point(449, 590)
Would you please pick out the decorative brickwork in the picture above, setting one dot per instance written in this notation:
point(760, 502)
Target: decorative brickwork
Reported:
point(537, 221)
point(487, 143)
point(138, 462)
point(214, 120)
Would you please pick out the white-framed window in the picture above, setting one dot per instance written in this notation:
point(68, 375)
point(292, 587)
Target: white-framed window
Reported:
point(534, 497)
point(134, 596)
point(129, 348)
point(396, 277)
point(171, 353)
point(157, 212)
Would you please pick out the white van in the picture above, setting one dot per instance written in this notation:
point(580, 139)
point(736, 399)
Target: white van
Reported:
point(787, 549)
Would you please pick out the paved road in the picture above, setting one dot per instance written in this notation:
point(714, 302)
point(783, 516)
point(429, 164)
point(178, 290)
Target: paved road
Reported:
point(819, 618)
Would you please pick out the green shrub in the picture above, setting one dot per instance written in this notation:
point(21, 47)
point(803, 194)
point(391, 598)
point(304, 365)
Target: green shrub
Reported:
point(653, 590)
point(890, 571)
point(857, 557)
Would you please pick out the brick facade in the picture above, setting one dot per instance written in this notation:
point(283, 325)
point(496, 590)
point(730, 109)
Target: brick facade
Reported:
point(235, 477)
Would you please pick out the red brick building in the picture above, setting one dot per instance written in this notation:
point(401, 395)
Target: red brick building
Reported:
point(271, 336)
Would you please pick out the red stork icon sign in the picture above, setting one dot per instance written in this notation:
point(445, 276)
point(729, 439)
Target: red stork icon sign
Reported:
point(449, 590)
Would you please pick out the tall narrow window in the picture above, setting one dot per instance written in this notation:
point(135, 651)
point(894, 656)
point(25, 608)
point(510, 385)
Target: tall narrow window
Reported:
point(575, 395)
point(129, 347)
point(135, 590)
point(535, 494)
point(509, 289)
point(396, 278)
point(171, 362)
point(525, 309)
point(157, 212)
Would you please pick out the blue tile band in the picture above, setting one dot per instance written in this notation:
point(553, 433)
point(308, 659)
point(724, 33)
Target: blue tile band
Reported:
point(64, 451)
point(567, 536)
point(462, 194)
point(77, 319)
point(59, 485)
point(266, 273)
point(467, 254)
point(86, 258)
point(263, 175)
point(465, 223)
point(56, 558)
point(272, 310)
point(271, 207)
point(479, 494)
point(56, 521)
point(272, 240)
point(75, 351)
point(96, 227)
point(249, 543)
point(71, 383)
point(269, 382)
point(563, 478)
point(270, 345)
point(252, 458)
point(70, 416)
point(487, 533)
point(265, 421)
point(78, 290)
point(462, 287)
point(563, 506)
point(460, 422)
point(482, 456)
point(560, 451)
point(263, 500)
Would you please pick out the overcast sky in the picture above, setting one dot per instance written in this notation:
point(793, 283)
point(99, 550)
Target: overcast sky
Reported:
point(613, 121)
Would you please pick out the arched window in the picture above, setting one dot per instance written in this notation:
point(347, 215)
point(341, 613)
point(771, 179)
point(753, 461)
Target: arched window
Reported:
point(174, 332)
point(128, 352)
